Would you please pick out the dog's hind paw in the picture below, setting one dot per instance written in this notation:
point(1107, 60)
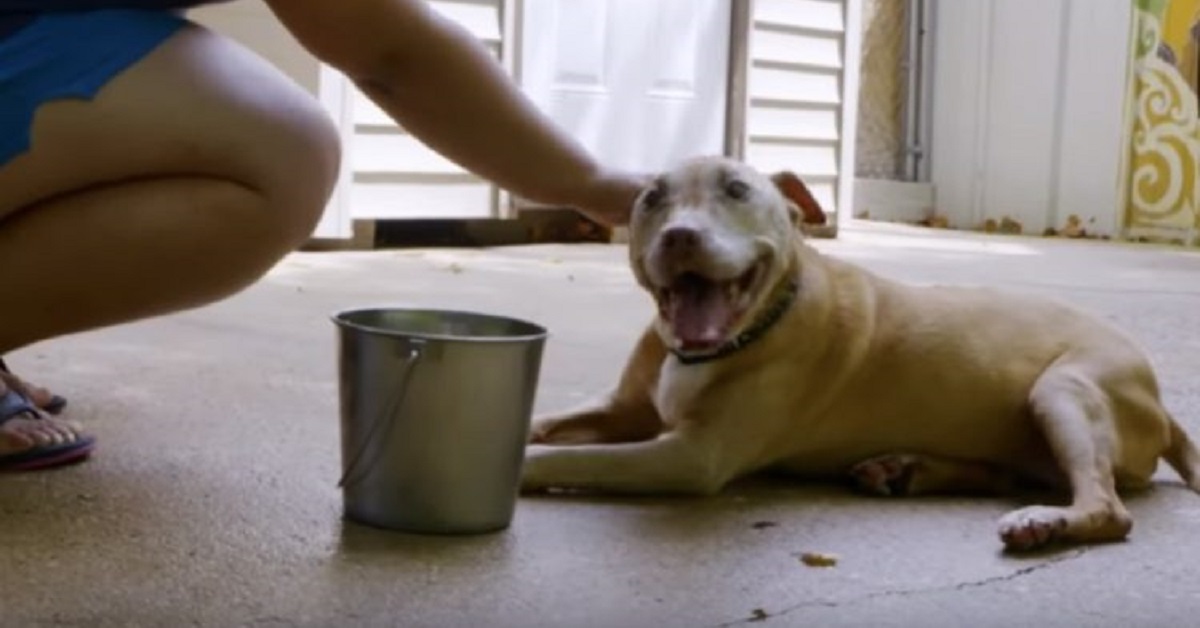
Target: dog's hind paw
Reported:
point(888, 475)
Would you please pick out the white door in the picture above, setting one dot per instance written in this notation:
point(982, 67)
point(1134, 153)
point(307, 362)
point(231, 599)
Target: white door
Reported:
point(640, 83)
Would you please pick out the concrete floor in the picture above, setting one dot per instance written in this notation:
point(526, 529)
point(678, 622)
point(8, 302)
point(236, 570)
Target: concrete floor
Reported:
point(212, 499)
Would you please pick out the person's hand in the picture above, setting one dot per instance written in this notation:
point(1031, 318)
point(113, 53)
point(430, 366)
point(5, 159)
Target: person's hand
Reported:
point(609, 198)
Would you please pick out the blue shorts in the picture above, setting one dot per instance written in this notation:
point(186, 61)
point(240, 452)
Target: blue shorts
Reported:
point(70, 55)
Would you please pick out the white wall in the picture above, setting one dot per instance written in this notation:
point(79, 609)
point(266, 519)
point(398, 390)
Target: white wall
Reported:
point(1028, 100)
point(253, 25)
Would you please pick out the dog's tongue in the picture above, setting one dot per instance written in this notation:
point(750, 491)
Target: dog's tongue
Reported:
point(699, 312)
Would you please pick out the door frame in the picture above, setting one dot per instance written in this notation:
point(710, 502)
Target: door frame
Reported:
point(737, 98)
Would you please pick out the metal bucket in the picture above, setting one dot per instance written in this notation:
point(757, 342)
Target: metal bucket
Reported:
point(435, 413)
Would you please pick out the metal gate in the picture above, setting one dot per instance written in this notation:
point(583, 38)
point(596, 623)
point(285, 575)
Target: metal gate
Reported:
point(892, 140)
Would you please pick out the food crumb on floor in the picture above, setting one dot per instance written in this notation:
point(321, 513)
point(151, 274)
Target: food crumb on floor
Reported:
point(817, 559)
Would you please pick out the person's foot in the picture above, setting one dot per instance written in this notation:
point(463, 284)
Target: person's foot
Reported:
point(41, 397)
point(21, 434)
point(30, 439)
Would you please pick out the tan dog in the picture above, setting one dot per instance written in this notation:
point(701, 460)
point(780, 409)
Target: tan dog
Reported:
point(767, 355)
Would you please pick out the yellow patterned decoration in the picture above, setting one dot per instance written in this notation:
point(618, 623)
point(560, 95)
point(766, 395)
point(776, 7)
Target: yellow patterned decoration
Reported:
point(1165, 142)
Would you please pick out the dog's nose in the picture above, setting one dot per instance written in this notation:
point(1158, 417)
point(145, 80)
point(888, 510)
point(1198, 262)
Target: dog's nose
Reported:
point(680, 239)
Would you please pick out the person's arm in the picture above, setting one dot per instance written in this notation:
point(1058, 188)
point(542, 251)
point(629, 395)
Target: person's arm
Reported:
point(439, 82)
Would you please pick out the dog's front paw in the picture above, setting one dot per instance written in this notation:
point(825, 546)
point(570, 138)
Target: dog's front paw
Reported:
point(544, 431)
point(535, 470)
point(559, 470)
point(888, 475)
point(1032, 527)
point(562, 431)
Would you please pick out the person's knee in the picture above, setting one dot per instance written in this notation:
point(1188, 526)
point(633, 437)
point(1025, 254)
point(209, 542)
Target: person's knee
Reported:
point(302, 174)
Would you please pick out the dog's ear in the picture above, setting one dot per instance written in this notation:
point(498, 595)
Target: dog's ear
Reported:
point(804, 208)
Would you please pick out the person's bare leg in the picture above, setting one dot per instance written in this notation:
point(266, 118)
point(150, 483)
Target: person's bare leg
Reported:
point(184, 181)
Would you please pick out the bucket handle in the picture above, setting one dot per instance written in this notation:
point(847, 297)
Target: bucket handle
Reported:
point(388, 418)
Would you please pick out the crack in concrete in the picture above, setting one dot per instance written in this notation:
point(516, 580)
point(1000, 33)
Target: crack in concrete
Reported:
point(762, 615)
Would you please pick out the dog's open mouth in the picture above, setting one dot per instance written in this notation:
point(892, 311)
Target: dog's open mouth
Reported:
point(703, 312)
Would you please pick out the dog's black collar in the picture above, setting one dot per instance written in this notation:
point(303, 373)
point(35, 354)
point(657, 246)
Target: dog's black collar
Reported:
point(751, 333)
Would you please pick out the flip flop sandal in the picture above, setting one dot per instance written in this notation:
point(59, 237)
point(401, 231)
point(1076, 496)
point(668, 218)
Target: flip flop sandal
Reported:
point(57, 402)
point(12, 405)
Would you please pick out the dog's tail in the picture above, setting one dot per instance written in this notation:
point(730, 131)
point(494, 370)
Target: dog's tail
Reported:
point(1182, 455)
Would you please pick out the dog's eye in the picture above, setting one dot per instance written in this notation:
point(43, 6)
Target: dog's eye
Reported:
point(652, 198)
point(737, 190)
